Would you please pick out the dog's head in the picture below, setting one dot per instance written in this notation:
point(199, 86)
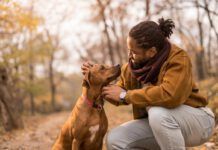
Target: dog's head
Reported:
point(101, 75)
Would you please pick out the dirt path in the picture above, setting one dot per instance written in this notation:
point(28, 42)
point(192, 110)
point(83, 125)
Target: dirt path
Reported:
point(39, 133)
point(41, 130)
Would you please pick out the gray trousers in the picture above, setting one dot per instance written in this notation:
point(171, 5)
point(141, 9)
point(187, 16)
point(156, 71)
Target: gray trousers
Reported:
point(165, 129)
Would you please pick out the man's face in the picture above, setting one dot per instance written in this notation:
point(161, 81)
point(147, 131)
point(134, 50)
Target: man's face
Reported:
point(139, 55)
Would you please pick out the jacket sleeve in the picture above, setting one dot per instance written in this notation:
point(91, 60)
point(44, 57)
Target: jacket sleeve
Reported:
point(174, 90)
point(120, 81)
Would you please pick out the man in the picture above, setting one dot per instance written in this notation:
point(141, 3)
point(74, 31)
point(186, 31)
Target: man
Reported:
point(169, 112)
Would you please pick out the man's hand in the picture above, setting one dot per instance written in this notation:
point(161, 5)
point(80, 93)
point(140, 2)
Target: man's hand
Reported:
point(112, 93)
point(86, 66)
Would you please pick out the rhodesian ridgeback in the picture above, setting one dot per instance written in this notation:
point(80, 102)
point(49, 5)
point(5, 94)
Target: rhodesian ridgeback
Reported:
point(87, 123)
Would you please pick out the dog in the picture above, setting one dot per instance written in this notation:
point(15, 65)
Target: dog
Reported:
point(87, 123)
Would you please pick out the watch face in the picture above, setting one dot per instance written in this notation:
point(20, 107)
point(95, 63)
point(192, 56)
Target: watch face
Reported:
point(122, 94)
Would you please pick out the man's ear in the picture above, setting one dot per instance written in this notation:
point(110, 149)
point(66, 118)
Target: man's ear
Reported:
point(152, 52)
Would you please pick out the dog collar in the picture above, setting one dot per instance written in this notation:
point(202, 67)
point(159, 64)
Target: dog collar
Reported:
point(92, 103)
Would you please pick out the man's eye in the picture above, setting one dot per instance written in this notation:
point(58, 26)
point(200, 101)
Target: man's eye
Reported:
point(131, 52)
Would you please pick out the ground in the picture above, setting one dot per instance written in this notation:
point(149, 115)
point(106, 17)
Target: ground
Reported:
point(41, 130)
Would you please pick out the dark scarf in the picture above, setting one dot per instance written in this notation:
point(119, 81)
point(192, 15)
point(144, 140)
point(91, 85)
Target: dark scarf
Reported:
point(148, 71)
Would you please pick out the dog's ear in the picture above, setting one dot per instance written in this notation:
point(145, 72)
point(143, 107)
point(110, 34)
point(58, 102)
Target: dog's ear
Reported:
point(86, 81)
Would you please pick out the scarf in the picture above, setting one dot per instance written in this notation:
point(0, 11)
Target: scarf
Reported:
point(148, 70)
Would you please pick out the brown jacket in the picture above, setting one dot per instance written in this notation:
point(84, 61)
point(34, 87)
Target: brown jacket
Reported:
point(175, 85)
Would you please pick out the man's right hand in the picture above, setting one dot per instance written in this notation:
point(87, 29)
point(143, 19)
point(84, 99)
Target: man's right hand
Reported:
point(86, 66)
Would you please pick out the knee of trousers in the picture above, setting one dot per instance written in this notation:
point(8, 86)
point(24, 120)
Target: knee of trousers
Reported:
point(160, 118)
point(112, 138)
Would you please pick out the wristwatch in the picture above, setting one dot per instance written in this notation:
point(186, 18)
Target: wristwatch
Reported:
point(122, 96)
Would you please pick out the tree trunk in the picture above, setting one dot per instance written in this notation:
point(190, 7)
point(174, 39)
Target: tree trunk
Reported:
point(117, 43)
point(106, 32)
point(31, 79)
point(11, 118)
point(123, 42)
point(51, 80)
point(210, 19)
point(147, 8)
point(200, 59)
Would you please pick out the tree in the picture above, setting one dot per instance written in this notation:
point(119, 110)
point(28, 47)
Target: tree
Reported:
point(16, 25)
point(10, 115)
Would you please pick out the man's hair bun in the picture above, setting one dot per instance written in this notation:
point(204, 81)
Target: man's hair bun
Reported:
point(166, 26)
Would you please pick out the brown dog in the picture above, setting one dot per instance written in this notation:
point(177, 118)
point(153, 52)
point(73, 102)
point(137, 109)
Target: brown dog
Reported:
point(87, 124)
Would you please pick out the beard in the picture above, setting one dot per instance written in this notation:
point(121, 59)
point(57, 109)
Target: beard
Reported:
point(139, 63)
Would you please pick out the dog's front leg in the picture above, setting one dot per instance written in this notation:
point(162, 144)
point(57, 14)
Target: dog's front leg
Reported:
point(100, 145)
point(75, 145)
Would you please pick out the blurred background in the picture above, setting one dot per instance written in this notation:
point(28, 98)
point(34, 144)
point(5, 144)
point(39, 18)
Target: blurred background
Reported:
point(44, 43)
